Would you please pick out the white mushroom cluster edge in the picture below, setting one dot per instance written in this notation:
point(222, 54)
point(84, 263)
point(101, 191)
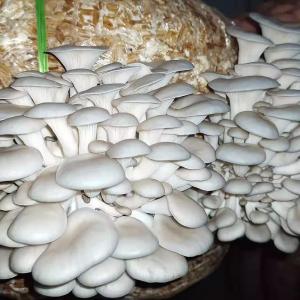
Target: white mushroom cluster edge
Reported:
point(118, 174)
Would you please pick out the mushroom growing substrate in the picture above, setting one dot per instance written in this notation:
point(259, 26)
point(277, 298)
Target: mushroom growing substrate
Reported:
point(119, 174)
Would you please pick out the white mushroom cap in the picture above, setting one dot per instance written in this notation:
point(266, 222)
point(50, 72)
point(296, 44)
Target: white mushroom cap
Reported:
point(186, 211)
point(167, 151)
point(158, 206)
point(17, 162)
point(118, 288)
point(287, 63)
point(175, 65)
point(148, 188)
point(200, 148)
point(293, 185)
point(8, 110)
point(237, 186)
point(5, 270)
point(23, 259)
point(135, 239)
point(241, 154)
point(258, 233)
point(161, 266)
point(232, 232)
point(289, 112)
point(46, 189)
point(55, 291)
point(243, 84)
point(38, 224)
point(293, 218)
point(107, 271)
point(81, 291)
point(174, 90)
point(276, 31)
point(258, 69)
point(90, 235)
point(251, 45)
point(188, 242)
point(76, 57)
point(278, 145)
point(285, 242)
point(99, 146)
point(89, 172)
point(281, 51)
point(128, 148)
point(214, 182)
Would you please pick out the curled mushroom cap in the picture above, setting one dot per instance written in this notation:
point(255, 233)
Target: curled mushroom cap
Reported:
point(161, 266)
point(241, 154)
point(90, 235)
point(89, 172)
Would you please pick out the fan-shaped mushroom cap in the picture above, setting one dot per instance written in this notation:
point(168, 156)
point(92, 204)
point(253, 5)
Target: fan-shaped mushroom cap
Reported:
point(145, 84)
point(20, 125)
point(193, 174)
point(121, 120)
point(200, 148)
point(148, 188)
point(209, 128)
point(258, 217)
point(174, 90)
point(161, 266)
point(106, 271)
point(76, 57)
point(186, 211)
point(255, 124)
point(188, 242)
point(287, 63)
point(175, 65)
point(88, 115)
point(243, 84)
point(99, 146)
point(90, 235)
point(276, 31)
point(46, 189)
point(257, 233)
point(8, 110)
point(89, 172)
point(289, 112)
point(241, 154)
point(17, 162)
point(128, 148)
point(50, 110)
point(281, 51)
point(238, 133)
point(158, 206)
point(213, 183)
point(135, 239)
point(278, 145)
point(5, 270)
point(237, 186)
point(261, 188)
point(258, 69)
point(81, 291)
point(232, 232)
point(293, 185)
point(55, 291)
point(38, 224)
point(251, 45)
point(21, 196)
point(293, 220)
point(23, 259)
point(167, 151)
point(159, 122)
point(5, 222)
point(285, 242)
point(118, 288)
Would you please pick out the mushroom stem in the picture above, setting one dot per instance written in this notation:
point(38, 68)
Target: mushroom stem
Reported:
point(65, 136)
point(36, 140)
point(87, 134)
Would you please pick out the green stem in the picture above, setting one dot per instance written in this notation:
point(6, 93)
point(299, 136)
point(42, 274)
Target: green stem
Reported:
point(41, 35)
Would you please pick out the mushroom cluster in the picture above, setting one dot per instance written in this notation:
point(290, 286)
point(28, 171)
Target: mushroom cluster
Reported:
point(99, 171)
point(258, 152)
